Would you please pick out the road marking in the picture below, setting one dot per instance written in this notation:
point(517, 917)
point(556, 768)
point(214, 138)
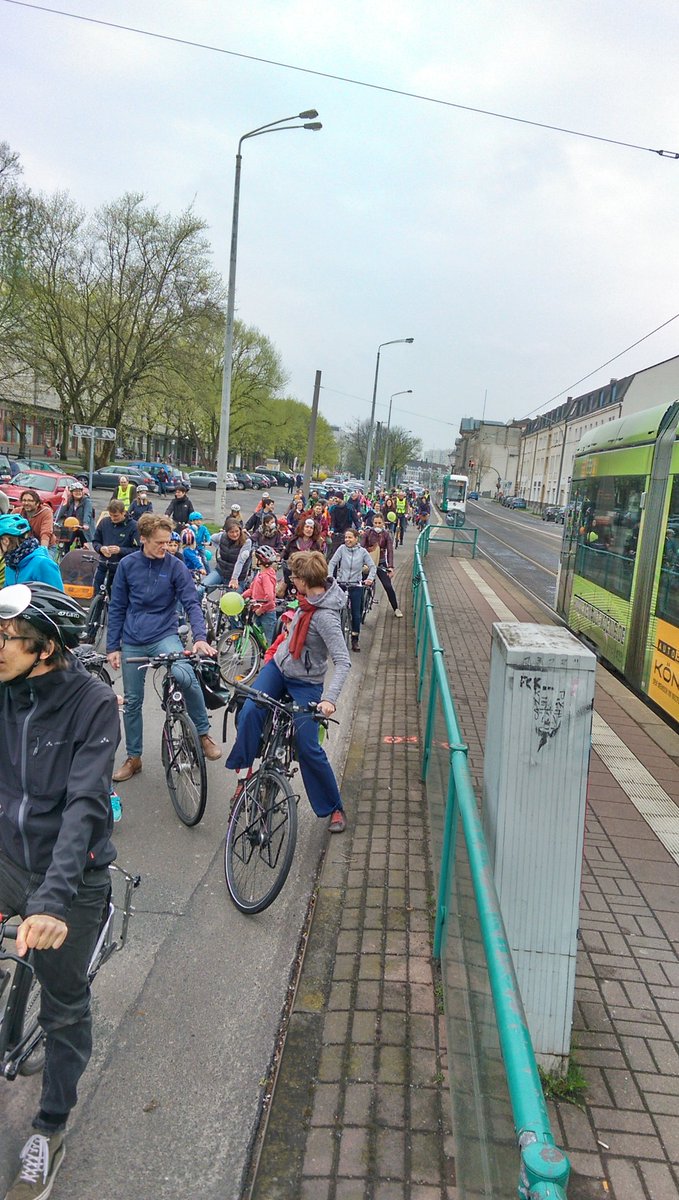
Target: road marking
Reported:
point(514, 550)
point(650, 799)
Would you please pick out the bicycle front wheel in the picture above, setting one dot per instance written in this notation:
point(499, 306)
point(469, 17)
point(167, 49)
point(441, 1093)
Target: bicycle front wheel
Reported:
point(24, 1025)
point(260, 841)
point(184, 766)
point(239, 656)
point(96, 627)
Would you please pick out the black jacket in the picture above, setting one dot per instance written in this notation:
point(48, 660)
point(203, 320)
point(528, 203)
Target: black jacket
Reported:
point(58, 739)
point(179, 510)
point(124, 535)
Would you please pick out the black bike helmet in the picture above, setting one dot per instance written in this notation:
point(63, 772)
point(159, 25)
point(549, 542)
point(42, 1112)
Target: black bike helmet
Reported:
point(212, 684)
point(48, 609)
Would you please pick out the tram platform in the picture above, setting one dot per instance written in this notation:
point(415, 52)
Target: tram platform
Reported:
point(360, 1107)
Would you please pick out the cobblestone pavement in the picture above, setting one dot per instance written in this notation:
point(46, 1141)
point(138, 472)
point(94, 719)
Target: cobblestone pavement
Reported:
point(361, 1110)
point(361, 1107)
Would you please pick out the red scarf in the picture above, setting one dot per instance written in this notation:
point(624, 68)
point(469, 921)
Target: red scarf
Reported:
point(298, 635)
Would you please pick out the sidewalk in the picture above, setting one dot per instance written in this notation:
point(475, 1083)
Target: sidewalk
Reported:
point(361, 1107)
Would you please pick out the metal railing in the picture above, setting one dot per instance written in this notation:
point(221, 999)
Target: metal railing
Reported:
point(465, 536)
point(498, 1102)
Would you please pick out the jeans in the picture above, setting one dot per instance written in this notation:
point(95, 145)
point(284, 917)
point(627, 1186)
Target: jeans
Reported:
point(65, 998)
point(317, 774)
point(134, 681)
point(355, 592)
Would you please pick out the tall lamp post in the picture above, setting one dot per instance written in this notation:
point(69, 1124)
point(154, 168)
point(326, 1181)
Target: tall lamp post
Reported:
point(223, 452)
point(385, 465)
point(368, 457)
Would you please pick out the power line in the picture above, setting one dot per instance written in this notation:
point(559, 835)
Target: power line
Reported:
point(383, 404)
point(363, 83)
point(568, 390)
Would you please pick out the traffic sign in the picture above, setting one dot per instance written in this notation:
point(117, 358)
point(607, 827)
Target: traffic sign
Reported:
point(83, 431)
point(103, 434)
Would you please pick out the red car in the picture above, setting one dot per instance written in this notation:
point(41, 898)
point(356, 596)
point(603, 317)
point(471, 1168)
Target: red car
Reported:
point(50, 487)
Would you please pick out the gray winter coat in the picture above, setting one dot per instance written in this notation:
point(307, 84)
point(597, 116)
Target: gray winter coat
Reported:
point(324, 637)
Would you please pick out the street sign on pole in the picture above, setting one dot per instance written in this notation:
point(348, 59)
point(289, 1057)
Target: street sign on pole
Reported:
point(96, 433)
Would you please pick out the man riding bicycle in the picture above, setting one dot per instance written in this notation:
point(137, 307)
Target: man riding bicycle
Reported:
point(59, 729)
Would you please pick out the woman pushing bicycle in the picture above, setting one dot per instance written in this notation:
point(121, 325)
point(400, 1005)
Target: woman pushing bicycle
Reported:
point(298, 668)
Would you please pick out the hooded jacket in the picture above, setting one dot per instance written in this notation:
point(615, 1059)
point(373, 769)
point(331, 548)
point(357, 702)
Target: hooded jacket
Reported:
point(324, 637)
point(58, 737)
point(36, 567)
point(348, 564)
point(144, 597)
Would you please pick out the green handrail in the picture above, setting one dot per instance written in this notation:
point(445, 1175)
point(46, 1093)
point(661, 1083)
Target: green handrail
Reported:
point(544, 1168)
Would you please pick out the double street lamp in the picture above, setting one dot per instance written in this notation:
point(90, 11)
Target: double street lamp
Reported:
point(368, 457)
point(223, 452)
point(385, 465)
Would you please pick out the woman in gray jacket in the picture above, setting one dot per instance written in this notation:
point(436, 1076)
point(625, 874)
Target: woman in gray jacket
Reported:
point(298, 668)
point(348, 564)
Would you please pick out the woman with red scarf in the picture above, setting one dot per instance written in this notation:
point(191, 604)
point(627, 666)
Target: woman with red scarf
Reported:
point(299, 667)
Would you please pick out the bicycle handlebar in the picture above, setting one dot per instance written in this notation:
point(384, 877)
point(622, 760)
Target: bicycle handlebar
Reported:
point(166, 660)
point(285, 706)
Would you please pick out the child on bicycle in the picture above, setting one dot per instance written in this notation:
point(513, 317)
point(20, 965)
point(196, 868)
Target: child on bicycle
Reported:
point(262, 591)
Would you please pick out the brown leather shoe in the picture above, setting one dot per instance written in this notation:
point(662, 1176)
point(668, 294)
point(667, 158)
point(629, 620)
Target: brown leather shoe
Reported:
point(210, 749)
point(131, 766)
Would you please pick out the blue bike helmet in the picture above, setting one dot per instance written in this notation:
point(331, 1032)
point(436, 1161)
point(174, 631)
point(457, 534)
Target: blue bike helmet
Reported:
point(195, 516)
point(14, 525)
point(174, 536)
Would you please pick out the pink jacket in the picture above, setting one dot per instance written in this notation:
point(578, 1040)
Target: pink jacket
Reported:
point(262, 591)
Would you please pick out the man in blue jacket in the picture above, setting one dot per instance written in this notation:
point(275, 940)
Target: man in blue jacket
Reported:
point(115, 536)
point(142, 622)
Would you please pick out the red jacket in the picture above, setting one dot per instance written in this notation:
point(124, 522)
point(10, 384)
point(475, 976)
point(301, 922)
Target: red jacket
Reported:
point(262, 591)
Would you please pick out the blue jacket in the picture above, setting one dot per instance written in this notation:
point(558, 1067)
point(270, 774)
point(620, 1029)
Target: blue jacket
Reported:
point(144, 597)
point(36, 567)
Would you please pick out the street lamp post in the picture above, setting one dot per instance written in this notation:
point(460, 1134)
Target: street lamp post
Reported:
point(223, 452)
point(368, 464)
point(407, 392)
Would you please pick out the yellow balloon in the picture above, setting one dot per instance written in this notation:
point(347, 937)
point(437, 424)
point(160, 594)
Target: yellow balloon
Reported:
point(232, 603)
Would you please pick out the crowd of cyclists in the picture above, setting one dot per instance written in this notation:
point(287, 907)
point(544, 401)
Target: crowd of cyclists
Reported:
point(317, 553)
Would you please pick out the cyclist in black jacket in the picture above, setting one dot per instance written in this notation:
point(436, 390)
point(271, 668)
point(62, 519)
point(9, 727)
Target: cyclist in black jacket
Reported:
point(180, 509)
point(59, 729)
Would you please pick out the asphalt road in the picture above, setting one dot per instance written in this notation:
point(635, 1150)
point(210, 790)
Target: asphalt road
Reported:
point(186, 1017)
point(524, 545)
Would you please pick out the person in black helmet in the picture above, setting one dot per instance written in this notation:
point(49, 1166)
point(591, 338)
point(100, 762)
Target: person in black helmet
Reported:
point(59, 729)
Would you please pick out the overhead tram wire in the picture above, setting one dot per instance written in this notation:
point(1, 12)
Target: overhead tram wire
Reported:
point(568, 390)
point(383, 404)
point(363, 83)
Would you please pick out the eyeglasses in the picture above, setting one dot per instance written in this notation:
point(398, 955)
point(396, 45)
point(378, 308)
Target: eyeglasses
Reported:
point(7, 637)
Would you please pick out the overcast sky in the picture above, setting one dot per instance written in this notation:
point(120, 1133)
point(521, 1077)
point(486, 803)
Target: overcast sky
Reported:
point(519, 259)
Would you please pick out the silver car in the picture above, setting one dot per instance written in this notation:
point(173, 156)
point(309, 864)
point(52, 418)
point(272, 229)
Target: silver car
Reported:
point(208, 479)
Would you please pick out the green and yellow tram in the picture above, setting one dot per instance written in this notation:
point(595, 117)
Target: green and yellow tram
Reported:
point(619, 574)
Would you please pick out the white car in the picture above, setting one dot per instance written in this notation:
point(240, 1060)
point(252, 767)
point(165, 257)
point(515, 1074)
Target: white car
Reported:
point(208, 479)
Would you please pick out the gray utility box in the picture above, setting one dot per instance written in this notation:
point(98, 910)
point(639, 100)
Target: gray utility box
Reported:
point(538, 740)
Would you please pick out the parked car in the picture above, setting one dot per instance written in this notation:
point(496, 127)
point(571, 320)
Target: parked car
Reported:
point(472, 495)
point(208, 479)
point(174, 475)
point(555, 512)
point(50, 487)
point(107, 477)
point(259, 481)
point(243, 480)
point(517, 502)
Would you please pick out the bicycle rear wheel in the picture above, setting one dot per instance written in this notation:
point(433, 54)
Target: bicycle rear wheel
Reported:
point(239, 656)
point(260, 841)
point(366, 602)
point(184, 766)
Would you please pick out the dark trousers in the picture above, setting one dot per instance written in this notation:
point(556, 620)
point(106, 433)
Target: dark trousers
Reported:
point(385, 580)
point(317, 774)
point(65, 997)
point(355, 604)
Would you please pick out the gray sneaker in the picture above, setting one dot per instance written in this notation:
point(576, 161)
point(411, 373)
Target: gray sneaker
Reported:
point(41, 1158)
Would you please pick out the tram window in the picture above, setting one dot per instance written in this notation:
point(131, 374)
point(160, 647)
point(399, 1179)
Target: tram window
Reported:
point(605, 526)
point(667, 605)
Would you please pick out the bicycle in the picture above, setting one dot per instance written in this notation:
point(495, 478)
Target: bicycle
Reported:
point(180, 749)
point(262, 830)
point(367, 600)
point(94, 662)
point(240, 651)
point(21, 1037)
point(97, 620)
